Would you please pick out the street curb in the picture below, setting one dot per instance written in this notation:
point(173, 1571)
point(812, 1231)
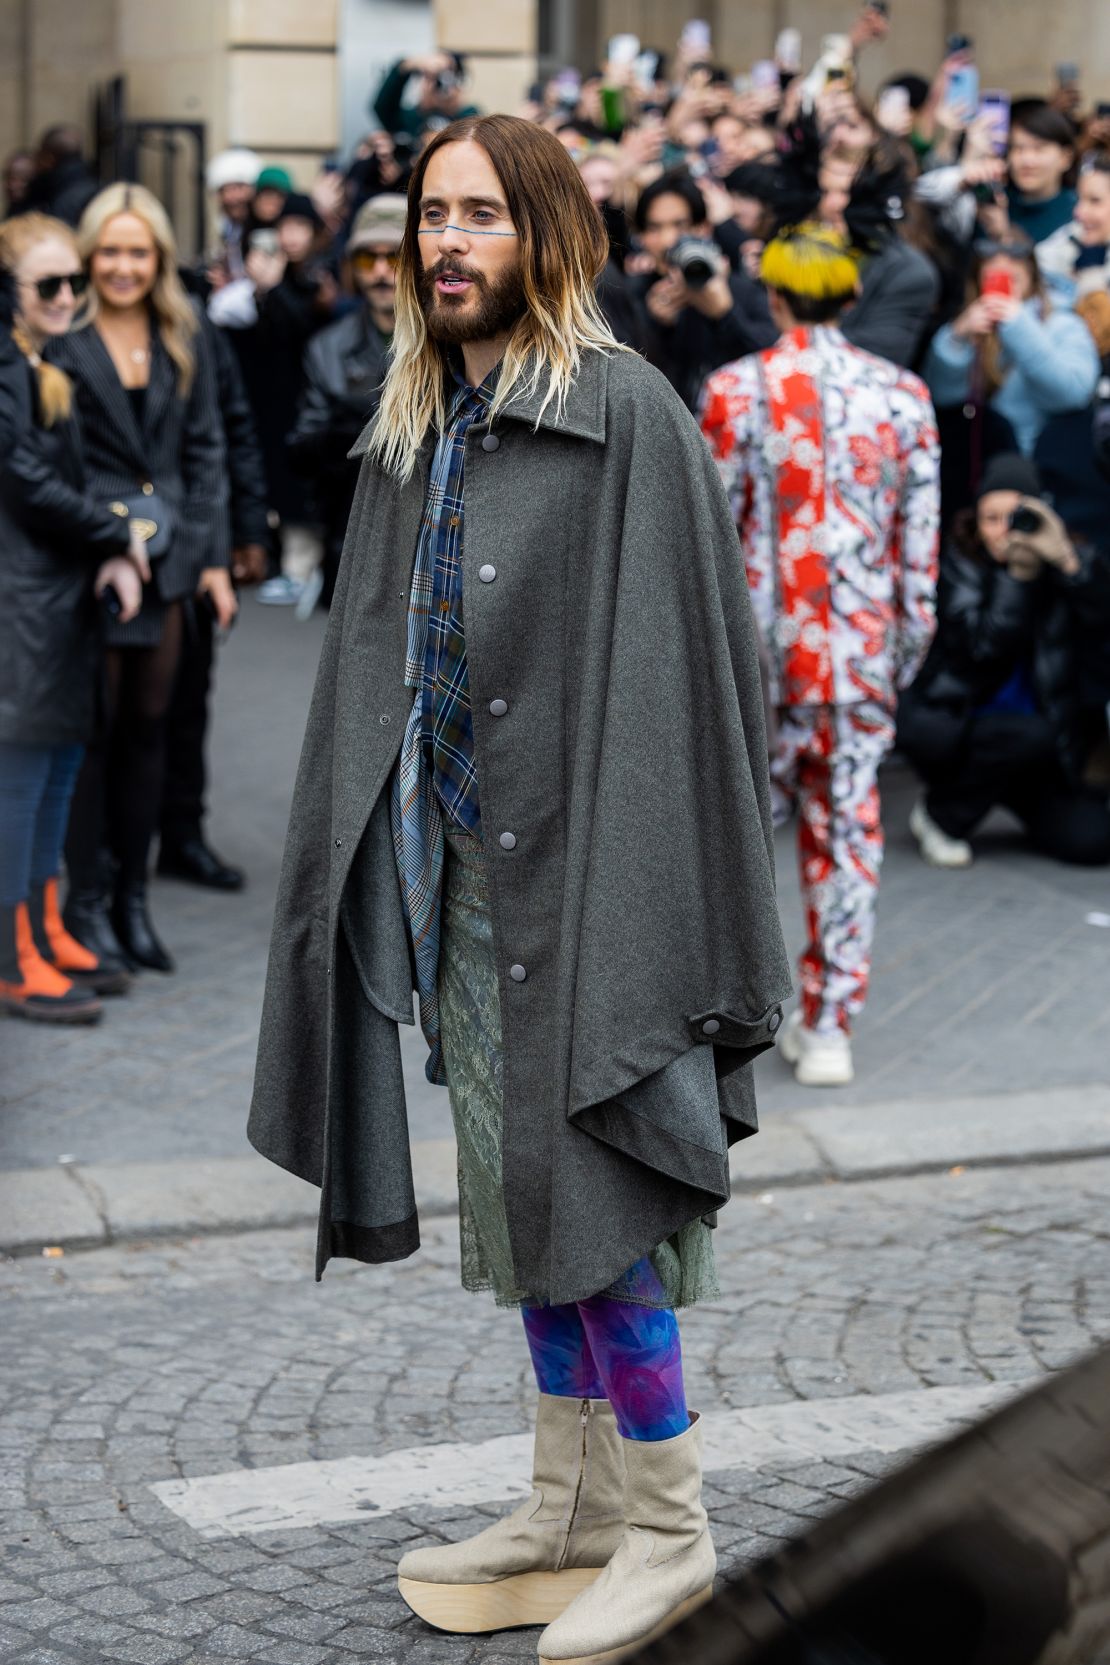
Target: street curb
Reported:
point(74, 1206)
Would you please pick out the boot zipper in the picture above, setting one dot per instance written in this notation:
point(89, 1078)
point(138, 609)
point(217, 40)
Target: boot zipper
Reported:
point(585, 1424)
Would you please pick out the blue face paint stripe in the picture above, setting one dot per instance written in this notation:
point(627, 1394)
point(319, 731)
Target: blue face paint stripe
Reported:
point(437, 231)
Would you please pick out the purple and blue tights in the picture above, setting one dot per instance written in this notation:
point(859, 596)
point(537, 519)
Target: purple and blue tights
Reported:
point(606, 1348)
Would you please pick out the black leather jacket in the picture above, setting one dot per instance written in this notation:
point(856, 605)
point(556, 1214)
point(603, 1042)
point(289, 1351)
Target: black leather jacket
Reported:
point(53, 536)
point(695, 345)
point(344, 369)
point(987, 625)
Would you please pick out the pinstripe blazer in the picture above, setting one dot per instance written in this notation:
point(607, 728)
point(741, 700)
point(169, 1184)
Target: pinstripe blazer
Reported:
point(179, 448)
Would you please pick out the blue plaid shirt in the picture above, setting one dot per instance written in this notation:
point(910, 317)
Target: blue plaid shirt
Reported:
point(436, 640)
point(435, 773)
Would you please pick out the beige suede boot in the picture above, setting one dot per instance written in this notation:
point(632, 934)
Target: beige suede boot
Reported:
point(663, 1569)
point(525, 1569)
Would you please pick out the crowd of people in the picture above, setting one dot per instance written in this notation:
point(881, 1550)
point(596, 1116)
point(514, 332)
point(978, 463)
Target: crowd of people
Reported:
point(172, 432)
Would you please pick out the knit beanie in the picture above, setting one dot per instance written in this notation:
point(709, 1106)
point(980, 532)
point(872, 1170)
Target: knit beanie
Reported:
point(297, 206)
point(1010, 471)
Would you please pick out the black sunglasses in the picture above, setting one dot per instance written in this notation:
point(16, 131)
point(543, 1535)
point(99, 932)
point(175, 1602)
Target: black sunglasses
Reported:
point(49, 288)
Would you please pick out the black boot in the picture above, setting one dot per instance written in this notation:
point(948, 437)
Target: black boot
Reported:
point(189, 857)
point(131, 923)
point(85, 916)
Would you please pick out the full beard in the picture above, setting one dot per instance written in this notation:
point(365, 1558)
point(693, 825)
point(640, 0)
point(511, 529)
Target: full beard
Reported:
point(490, 309)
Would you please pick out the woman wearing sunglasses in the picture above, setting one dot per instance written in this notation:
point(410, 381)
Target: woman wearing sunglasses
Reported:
point(60, 547)
point(146, 390)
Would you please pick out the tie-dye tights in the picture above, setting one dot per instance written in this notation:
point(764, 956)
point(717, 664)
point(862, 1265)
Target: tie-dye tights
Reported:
point(606, 1348)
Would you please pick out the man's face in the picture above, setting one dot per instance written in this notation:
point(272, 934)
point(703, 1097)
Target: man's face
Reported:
point(1037, 166)
point(235, 201)
point(838, 175)
point(748, 213)
point(374, 270)
point(599, 176)
point(992, 514)
point(441, 100)
point(17, 177)
point(668, 219)
point(470, 279)
point(296, 237)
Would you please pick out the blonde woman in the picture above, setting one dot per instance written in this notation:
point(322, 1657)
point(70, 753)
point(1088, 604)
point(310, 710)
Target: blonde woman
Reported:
point(58, 547)
point(145, 387)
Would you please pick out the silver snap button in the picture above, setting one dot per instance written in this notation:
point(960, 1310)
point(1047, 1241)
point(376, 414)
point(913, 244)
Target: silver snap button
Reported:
point(339, 844)
point(517, 973)
point(498, 708)
point(490, 442)
point(774, 1021)
point(507, 841)
point(710, 1027)
point(487, 574)
point(384, 719)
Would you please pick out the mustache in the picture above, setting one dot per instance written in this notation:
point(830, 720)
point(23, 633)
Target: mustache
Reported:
point(452, 268)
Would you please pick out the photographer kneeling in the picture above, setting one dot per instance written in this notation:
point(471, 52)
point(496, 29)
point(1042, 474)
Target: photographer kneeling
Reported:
point(692, 314)
point(994, 718)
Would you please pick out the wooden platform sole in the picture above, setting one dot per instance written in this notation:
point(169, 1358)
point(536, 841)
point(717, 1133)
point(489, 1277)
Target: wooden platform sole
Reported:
point(534, 1598)
point(613, 1654)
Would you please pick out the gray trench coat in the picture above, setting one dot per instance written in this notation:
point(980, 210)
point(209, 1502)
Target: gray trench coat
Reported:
point(641, 963)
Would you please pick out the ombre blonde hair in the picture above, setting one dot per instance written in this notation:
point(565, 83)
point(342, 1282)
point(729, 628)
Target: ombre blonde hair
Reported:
point(174, 318)
point(563, 250)
point(17, 237)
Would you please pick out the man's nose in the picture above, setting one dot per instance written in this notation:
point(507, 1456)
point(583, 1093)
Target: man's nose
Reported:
point(453, 240)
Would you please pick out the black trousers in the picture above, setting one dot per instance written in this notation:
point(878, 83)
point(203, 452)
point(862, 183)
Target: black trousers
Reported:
point(1010, 760)
point(186, 779)
point(115, 807)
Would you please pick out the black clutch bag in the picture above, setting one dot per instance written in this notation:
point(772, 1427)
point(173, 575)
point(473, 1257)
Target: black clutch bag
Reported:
point(150, 517)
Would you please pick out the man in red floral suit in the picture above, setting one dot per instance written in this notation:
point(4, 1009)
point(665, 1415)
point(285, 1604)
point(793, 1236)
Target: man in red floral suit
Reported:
point(831, 460)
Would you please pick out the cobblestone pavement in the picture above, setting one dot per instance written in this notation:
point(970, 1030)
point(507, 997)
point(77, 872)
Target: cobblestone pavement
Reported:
point(137, 1364)
point(985, 981)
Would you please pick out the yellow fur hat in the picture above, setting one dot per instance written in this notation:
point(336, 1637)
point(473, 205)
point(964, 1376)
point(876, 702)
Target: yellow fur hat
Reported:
point(811, 260)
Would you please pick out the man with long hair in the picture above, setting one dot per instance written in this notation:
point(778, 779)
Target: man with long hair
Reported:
point(534, 788)
point(831, 460)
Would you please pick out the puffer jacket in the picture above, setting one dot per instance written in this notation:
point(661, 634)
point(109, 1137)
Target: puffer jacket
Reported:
point(1051, 366)
point(988, 625)
point(53, 537)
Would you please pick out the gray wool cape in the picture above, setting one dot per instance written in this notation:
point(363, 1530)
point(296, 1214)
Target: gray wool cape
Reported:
point(639, 898)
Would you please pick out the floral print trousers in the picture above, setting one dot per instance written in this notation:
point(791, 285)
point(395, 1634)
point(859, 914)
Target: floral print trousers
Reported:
point(825, 764)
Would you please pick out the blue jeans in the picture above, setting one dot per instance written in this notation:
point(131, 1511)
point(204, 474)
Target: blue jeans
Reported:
point(36, 785)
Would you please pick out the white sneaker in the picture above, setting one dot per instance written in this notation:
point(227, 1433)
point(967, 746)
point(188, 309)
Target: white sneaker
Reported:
point(280, 592)
point(938, 849)
point(817, 1060)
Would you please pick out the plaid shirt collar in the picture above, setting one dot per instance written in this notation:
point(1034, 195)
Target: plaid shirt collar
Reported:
point(460, 393)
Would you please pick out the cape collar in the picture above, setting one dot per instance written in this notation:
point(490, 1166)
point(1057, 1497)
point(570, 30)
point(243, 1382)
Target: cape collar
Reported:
point(582, 415)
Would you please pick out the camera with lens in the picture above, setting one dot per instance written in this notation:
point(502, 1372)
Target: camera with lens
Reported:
point(1026, 519)
point(696, 260)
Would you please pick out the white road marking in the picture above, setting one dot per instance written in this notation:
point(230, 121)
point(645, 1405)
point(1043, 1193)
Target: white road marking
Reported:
point(299, 1495)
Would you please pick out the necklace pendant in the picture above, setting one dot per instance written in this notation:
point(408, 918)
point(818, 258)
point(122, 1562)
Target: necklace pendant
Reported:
point(139, 355)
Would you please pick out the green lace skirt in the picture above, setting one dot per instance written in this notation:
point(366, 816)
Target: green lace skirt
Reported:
point(470, 1028)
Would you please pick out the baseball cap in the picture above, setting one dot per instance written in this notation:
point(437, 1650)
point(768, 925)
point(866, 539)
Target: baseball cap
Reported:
point(379, 222)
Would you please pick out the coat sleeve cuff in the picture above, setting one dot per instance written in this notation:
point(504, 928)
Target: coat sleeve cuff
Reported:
point(721, 1026)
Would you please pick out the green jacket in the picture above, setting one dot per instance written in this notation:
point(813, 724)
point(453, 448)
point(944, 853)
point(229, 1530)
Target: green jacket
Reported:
point(395, 116)
point(640, 895)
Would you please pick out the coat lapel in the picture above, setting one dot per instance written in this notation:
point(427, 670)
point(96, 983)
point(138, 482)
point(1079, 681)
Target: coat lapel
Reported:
point(104, 382)
point(160, 390)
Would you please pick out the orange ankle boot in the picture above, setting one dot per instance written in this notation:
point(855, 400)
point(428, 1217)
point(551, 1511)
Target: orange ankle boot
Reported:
point(60, 949)
point(29, 987)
